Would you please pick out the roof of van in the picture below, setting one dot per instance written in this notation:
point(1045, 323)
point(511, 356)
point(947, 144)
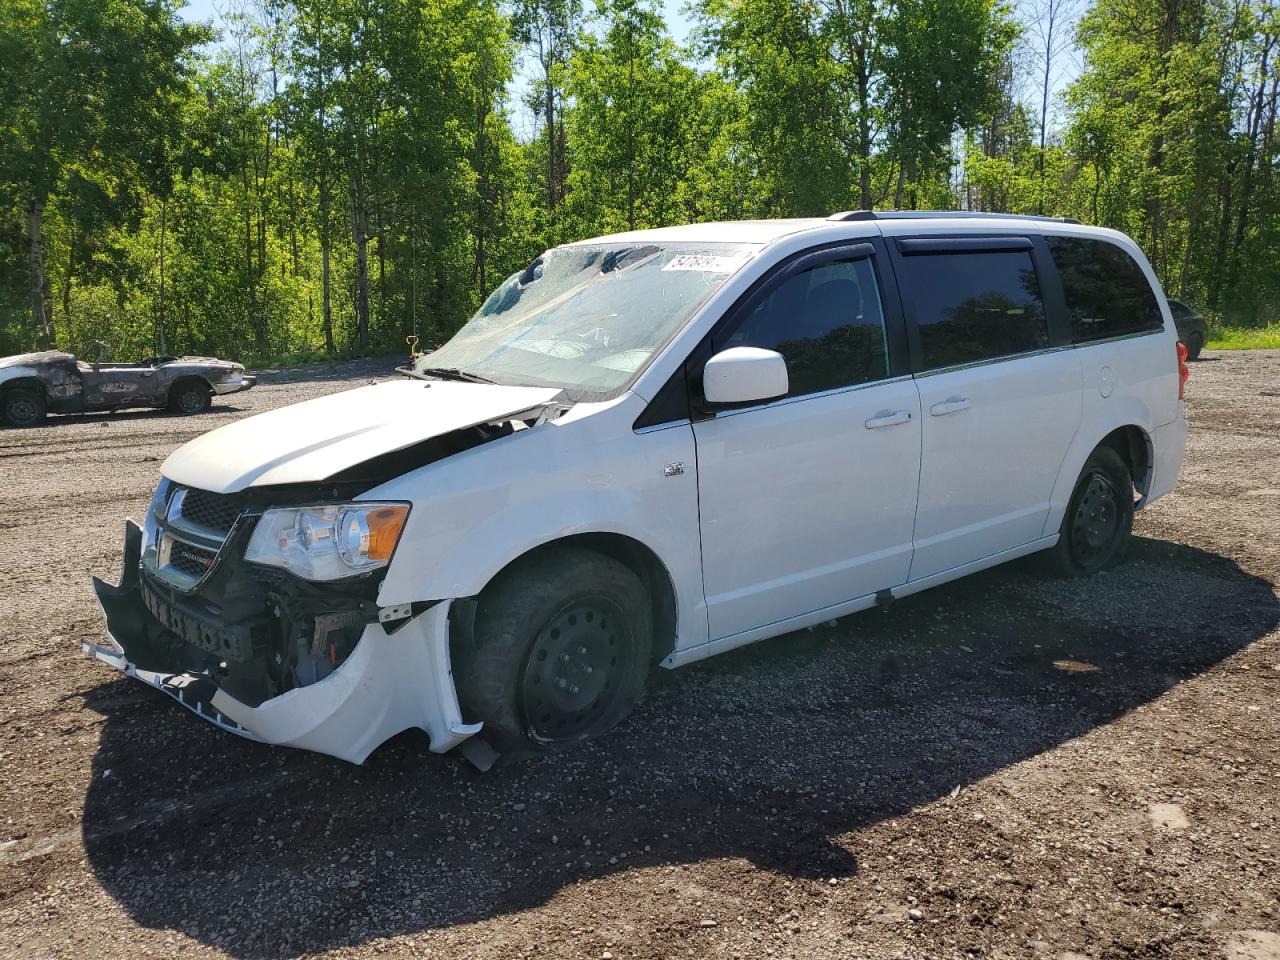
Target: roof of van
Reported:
point(760, 232)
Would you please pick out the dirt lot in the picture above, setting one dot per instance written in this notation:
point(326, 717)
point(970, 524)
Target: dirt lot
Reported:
point(1008, 766)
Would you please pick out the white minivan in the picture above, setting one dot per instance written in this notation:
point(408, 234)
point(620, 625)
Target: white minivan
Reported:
point(650, 448)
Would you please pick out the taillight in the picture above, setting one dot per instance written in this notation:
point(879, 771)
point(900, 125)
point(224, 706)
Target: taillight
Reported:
point(1183, 370)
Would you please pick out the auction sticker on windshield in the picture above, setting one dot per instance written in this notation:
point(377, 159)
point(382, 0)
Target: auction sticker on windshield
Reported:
point(706, 262)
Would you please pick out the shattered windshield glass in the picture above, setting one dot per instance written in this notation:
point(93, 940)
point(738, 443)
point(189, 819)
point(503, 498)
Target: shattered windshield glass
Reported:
point(585, 318)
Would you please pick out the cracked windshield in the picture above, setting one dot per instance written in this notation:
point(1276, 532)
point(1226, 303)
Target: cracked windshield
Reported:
point(585, 318)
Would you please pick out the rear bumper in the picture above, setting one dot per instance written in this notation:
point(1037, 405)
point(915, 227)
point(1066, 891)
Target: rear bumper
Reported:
point(247, 382)
point(389, 683)
point(1168, 446)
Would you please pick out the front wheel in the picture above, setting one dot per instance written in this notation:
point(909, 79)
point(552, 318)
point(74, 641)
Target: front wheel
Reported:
point(560, 653)
point(189, 398)
point(24, 408)
point(1095, 530)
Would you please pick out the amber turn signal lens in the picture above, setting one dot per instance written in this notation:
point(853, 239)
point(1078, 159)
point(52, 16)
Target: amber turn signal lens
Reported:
point(385, 524)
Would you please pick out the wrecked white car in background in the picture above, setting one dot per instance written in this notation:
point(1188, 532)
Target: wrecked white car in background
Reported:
point(35, 384)
point(651, 448)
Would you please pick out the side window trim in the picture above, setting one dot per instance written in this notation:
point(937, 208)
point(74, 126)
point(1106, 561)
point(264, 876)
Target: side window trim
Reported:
point(834, 391)
point(934, 371)
point(1085, 344)
point(915, 246)
point(840, 254)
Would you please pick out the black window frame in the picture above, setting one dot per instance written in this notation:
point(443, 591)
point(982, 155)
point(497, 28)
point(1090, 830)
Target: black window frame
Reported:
point(868, 248)
point(683, 389)
point(1051, 298)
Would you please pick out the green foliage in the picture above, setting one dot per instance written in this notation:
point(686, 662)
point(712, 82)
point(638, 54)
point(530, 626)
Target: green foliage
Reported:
point(633, 125)
point(1244, 338)
point(334, 175)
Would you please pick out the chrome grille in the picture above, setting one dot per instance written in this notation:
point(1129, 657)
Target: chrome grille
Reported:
point(212, 512)
point(186, 529)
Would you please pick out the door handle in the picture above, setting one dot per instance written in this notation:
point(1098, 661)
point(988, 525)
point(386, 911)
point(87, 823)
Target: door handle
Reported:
point(888, 419)
point(953, 405)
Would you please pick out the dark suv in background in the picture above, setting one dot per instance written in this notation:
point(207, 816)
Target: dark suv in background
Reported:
point(1192, 329)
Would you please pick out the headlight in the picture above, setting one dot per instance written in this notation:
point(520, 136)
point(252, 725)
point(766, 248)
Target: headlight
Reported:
point(328, 542)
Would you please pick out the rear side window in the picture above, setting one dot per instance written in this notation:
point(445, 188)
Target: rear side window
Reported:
point(975, 306)
point(828, 323)
point(1107, 293)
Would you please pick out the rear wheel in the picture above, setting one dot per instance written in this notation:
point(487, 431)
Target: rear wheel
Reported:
point(1095, 531)
point(24, 408)
point(1194, 343)
point(560, 653)
point(189, 397)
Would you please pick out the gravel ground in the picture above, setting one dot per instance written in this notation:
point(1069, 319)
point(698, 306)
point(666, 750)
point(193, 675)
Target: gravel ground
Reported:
point(1008, 766)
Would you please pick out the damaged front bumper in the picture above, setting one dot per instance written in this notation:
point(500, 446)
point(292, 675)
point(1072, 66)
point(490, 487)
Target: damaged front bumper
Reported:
point(391, 682)
point(235, 384)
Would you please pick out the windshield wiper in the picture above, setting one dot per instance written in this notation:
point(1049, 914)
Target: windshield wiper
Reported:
point(451, 373)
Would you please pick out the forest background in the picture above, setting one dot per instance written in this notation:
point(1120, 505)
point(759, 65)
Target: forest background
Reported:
point(289, 180)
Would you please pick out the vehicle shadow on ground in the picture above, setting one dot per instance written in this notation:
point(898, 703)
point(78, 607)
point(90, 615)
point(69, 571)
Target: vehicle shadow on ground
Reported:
point(774, 755)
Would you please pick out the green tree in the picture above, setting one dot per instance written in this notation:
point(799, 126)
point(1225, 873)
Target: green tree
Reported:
point(632, 103)
point(550, 29)
point(93, 87)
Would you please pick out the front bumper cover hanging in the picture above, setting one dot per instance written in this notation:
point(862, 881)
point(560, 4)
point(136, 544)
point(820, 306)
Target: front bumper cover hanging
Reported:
point(391, 681)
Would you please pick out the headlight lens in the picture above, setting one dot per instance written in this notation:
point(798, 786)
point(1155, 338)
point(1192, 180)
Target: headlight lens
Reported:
point(328, 542)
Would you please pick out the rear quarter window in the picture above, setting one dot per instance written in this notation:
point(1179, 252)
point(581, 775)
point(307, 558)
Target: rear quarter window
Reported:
point(1107, 293)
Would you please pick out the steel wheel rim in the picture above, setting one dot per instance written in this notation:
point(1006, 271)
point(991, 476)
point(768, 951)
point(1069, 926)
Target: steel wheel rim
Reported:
point(1096, 522)
point(22, 410)
point(190, 401)
point(574, 671)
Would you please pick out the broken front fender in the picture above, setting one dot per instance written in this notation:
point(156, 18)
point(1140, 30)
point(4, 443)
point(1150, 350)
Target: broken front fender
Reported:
point(391, 682)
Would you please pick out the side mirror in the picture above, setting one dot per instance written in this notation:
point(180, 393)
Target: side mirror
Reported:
point(743, 375)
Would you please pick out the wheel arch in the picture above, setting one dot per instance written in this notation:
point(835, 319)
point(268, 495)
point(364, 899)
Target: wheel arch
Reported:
point(24, 381)
point(631, 553)
point(1130, 439)
point(1133, 444)
point(182, 380)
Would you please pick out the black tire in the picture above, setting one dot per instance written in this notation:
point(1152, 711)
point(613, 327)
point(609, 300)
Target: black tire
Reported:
point(24, 408)
point(1095, 531)
point(1194, 344)
point(189, 397)
point(560, 653)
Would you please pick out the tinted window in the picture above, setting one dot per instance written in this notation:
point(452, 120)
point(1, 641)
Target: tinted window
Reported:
point(1106, 291)
point(827, 322)
point(975, 306)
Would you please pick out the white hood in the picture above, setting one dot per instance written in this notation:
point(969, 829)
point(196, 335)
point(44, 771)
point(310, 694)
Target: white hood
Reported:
point(311, 441)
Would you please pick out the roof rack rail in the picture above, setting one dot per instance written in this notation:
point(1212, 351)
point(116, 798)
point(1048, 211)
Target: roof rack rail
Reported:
point(848, 215)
